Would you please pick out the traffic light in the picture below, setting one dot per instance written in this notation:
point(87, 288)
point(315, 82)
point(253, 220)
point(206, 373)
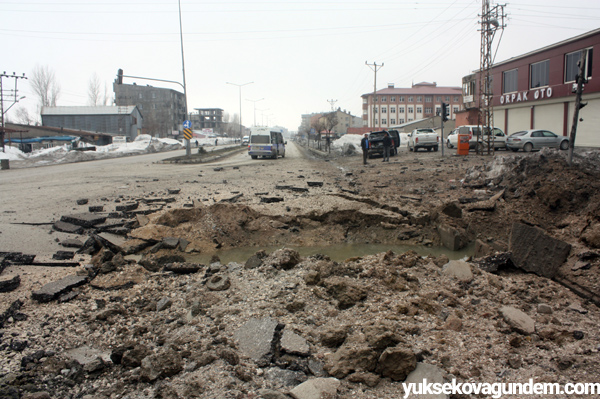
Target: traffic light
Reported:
point(445, 112)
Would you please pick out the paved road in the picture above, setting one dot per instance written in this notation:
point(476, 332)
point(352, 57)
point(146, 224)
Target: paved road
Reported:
point(44, 194)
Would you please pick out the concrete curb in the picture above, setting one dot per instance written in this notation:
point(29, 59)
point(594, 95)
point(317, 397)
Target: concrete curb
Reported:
point(205, 158)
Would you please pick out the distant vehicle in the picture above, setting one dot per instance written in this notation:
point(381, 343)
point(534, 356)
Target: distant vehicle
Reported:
point(245, 140)
point(376, 142)
point(266, 142)
point(475, 138)
point(530, 140)
point(423, 138)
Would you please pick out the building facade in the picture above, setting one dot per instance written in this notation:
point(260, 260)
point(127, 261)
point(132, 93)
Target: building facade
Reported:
point(164, 109)
point(535, 91)
point(208, 118)
point(396, 106)
point(119, 121)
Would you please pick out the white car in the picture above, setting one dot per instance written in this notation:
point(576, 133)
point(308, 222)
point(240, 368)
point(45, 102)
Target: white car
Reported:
point(475, 138)
point(452, 139)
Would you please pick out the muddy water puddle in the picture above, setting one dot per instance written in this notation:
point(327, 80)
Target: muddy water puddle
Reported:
point(339, 252)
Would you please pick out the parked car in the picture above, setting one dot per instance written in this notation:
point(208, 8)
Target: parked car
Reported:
point(535, 139)
point(376, 142)
point(475, 138)
point(452, 139)
point(423, 138)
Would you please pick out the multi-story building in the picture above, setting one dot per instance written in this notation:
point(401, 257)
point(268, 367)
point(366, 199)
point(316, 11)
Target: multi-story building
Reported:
point(395, 106)
point(535, 90)
point(208, 118)
point(164, 109)
point(120, 121)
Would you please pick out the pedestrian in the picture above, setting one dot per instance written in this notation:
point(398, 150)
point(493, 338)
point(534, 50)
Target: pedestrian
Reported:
point(216, 141)
point(364, 144)
point(387, 144)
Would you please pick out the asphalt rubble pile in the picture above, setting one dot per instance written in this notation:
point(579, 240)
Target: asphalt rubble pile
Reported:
point(136, 319)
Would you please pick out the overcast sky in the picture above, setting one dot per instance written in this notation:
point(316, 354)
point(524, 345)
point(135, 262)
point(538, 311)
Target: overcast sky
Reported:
point(298, 54)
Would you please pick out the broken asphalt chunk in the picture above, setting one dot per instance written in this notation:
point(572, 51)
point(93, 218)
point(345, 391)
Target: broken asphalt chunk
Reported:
point(96, 208)
point(292, 188)
point(314, 183)
point(129, 206)
point(67, 228)
point(12, 312)
point(105, 243)
point(270, 200)
point(256, 339)
point(10, 285)
point(71, 243)
point(84, 219)
point(55, 289)
point(535, 251)
point(170, 242)
point(183, 267)
point(17, 258)
point(63, 255)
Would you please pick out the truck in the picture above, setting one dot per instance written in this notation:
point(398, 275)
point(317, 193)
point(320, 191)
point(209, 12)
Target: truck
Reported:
point(376, 142)
point(423, 138)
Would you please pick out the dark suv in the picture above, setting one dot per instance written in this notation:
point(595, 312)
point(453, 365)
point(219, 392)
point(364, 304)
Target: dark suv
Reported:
point(376, 142)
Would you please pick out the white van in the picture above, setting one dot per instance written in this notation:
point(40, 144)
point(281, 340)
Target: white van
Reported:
point(266, 142)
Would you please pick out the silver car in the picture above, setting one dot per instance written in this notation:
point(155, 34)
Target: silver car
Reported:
point(530, 140)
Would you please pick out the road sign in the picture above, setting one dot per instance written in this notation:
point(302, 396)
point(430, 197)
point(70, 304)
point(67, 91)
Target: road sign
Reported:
point(187, 133)
point(187, 124)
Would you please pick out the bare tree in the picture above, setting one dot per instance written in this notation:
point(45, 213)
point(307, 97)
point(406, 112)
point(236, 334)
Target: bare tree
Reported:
point(107, 100)
point(23, 117)
point(45, 86)
point(94, 90)
point(330, 121)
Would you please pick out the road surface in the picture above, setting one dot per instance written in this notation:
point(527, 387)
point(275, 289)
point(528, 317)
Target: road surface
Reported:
point(33, 198)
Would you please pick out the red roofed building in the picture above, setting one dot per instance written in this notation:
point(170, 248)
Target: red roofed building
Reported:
point(394, 106)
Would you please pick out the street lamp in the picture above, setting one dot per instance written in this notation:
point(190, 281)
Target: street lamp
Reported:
point(262, 116)
point(255, 101)
point(240, 88)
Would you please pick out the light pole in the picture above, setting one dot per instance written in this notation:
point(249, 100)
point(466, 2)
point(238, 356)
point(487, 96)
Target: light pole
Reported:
point(188, 144)
point(262, 116)
point(255, 101)
point(240, 88)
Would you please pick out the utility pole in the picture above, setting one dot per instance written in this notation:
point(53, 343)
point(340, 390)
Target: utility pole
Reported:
point(492, 20)
point(15, 100)
point(332, 102)
point(188, 146)
point(581, 80)
point(375, 68)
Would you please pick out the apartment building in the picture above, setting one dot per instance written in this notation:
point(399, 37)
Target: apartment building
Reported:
point(208, 118)
point(163, 109)
point(395, 106)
